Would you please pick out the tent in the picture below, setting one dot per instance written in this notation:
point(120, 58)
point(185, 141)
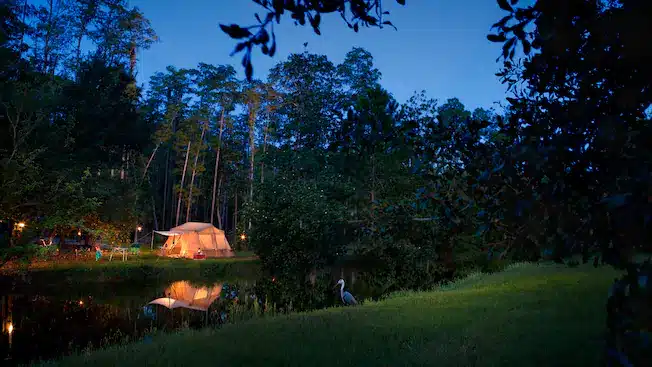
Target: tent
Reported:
point(183, 294)
point(187, 239)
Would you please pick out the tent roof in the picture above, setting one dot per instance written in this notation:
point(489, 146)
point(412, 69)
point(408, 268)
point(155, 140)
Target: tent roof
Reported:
point(194, 227)
point(169, 233)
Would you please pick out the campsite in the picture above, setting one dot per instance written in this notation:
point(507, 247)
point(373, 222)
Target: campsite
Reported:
point(341, 182)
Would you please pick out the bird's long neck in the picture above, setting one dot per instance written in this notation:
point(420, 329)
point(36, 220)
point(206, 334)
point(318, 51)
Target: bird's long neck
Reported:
point(342, 290)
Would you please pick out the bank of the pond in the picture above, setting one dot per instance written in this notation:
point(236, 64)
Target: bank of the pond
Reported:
point(525, 316)
point(137, 269)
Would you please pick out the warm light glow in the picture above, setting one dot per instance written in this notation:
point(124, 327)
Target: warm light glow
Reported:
point(21, 225)
point(81, 303)
point(139, 228)
point(243, 236)
point(78, 233)
point(10, 328)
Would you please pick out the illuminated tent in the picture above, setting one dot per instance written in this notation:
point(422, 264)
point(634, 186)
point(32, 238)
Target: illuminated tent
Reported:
point(183, 294)
point(187, 239)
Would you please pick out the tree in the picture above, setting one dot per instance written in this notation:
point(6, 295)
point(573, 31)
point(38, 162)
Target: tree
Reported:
point(121, 32)
point(310, 100)
point(358, 72)
point(587, 96)
point(217, 88)
point(84, 14)
point(167, 106)
point(51, 36)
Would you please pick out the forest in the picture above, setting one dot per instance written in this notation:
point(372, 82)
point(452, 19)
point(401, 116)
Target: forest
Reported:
point(316, 161)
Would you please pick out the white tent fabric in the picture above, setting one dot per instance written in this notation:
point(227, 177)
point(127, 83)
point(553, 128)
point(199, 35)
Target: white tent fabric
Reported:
point(169, 233)
point(190, 238)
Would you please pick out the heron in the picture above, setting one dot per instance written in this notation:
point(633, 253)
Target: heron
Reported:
point(347, 298)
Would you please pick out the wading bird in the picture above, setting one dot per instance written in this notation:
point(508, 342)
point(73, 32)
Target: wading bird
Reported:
point(347, 297)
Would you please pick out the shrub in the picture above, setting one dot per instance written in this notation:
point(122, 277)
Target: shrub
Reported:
point(629, 319)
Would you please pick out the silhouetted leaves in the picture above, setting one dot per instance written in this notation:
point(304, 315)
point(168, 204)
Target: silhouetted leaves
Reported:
point(387, 22)
point(235, 31)
point(497, 37)
point(501, 23)
point(358, 13)
point(505, 5)
point(507, 47)
point(527, 48)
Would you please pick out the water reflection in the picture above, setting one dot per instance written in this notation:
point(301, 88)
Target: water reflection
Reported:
point(46, 321)
point(49, 324)
point(183, 294)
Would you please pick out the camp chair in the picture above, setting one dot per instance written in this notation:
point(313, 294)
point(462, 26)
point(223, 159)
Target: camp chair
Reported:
point(122, 251)
point(135, 249)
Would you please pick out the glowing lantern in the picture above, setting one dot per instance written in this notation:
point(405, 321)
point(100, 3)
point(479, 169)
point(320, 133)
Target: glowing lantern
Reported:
point(243, 236)
point(139, 228)
point(21, 225)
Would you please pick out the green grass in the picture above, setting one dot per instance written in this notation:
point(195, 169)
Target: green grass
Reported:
point(146, 268)
point(528, 315)
point(87, 261)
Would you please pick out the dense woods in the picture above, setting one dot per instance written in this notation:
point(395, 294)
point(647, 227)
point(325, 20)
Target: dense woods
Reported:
point(316, 161)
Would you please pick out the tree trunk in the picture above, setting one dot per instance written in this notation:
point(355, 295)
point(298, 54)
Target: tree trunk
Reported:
point(235, 216)
point(251, 159)
point(150, 160)
point(252, 152)
point(165, 187)
point(217, 164)
point(194, 172)
point(219, 216)
point(154, 214)
point(78, 52)
point(225, 205)
point(46, 40)
point(183, 178)
point(22, 33)
point(262, 163)
point(124, 159)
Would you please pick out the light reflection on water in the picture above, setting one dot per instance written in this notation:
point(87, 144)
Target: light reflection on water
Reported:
point(48, 325)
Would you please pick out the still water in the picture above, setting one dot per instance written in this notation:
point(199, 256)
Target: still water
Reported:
point(41, 322)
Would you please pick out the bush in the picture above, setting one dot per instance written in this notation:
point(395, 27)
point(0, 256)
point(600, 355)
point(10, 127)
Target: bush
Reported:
point(629, 319)
point(18, 254)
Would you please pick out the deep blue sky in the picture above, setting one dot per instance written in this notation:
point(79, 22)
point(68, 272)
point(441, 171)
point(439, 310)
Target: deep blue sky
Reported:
point(440, 46)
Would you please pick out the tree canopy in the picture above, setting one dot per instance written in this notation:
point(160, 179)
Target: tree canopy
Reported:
point(318, 159)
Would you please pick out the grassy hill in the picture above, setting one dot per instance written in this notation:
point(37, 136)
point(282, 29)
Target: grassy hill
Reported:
point(527, 315)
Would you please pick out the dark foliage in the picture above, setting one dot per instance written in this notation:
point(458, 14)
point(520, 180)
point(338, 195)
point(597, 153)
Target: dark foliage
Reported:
point(629, 319)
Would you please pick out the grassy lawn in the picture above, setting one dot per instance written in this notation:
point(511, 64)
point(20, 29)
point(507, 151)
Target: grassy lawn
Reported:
point(141, 269)
point(146, 258)
point(528, 315)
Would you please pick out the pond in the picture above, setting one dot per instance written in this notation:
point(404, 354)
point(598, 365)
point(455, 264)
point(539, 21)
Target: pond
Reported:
point(48, 320)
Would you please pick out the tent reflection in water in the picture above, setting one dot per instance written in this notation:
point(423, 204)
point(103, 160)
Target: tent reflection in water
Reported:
point(183, 294)
point(192, 238)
